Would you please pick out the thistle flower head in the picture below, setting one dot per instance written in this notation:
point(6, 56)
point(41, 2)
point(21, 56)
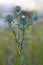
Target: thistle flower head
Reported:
point(9, 18)
point(23, 20)
point(17, 9)
point(35, 17)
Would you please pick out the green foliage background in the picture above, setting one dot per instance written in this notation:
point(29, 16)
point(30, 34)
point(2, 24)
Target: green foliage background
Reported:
point(32, 50)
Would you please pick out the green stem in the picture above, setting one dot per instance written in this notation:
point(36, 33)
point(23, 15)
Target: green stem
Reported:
point(18, 33)
point(13, 32)
point(22, 38)
point(26, 39)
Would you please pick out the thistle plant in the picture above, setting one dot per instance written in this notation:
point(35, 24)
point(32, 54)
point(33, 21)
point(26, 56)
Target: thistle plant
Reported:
point(23, 21)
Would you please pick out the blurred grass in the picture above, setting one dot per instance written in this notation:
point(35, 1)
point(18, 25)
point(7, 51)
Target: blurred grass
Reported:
point(32, 50)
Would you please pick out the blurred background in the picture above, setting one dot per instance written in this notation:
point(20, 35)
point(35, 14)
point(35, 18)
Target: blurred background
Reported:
point(33, 49)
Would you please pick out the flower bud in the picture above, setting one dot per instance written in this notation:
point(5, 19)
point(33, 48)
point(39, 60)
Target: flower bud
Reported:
point(9, 18)
point(23, 20)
